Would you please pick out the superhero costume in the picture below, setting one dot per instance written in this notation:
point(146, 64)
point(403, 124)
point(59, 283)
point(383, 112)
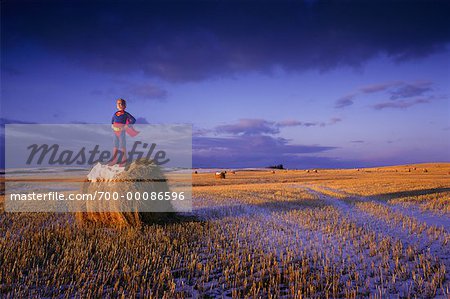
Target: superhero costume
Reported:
point(119, 120)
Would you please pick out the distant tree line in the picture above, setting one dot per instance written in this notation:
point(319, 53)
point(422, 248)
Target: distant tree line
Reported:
point(279, 166)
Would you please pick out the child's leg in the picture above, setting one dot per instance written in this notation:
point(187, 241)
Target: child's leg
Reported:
point(114, 158)
point(123, 160)
point(123, 144)
point(117, 155)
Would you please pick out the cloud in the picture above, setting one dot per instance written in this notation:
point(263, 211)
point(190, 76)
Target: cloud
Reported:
point(146, 91)
point(396, 90)
point(345, 101)
point(402, 104)
point(141, 120)
point(254, 151)
point(200, 131)
point(191, 41)
point(411, 90)
point(259, 144)
point(335, 120)
point(250, 143)
point(249, 126)
point(289, 123)
point(357, 141)
point(379, 87)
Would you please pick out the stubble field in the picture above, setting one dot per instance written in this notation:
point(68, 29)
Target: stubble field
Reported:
point(375, 232)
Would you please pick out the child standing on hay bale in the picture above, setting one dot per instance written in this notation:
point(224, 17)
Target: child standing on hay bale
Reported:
point(121, 123)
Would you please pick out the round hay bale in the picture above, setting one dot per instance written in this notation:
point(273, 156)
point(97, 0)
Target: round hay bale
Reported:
point(142, 176)
point(220, 175)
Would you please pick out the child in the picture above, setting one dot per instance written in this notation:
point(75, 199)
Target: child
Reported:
point(120, 124)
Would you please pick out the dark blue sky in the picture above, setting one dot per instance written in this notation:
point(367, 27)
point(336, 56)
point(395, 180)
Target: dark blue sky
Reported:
point(303, 83)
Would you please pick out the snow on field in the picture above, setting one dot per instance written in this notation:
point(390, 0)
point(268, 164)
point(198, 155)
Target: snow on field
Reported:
point(339, 233)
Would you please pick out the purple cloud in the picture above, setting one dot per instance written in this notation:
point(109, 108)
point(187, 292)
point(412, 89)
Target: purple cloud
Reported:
point(253, 151)
point(309, 124)
point(187, 41)
point(248, 144)
point(141, 120)
point(289, 123)
point(249, 127)
point(411, 90)
point(145, 91)
point(379, 87)
point(345, 101)
point(334, 120)
point(200, 132)
point(402, 104)
point(262, 126)
point(397, 90)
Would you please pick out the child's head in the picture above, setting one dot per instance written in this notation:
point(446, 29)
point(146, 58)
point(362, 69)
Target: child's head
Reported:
point(121, 104)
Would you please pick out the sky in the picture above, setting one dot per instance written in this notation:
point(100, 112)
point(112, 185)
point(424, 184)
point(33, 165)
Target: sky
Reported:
point(306, 84)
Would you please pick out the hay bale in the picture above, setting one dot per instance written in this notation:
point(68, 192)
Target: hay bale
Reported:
point(220, 175)
point(141, 176)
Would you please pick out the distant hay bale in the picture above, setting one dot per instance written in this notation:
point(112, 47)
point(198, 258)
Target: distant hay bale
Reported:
point(141, 177)
point(425, 170)
point(195, 172)
point(220, 175)
point(273, 171)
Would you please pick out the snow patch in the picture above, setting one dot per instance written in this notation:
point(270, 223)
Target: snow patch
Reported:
point(102, 172)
